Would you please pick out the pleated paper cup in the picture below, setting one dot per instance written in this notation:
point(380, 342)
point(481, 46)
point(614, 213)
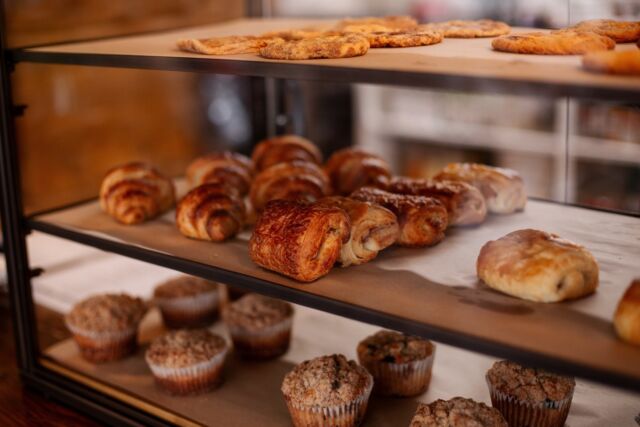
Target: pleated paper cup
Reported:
point(193, 311)
point(517, 413)
point(265, 343)
point(100, 347)
point(400, 379)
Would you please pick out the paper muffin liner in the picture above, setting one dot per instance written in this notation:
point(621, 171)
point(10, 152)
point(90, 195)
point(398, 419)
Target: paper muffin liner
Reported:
point(198, 378)
point(517, 413)
point(349, 414)
point(401, 379)
point(99, 347)
point(269, 342)
point(192, 311)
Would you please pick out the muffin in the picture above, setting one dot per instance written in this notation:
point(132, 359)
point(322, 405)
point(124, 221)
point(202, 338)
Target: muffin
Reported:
point(187, 361)
point(187, 302)
point(105, 327)
point(527, 396)
point(457, 412)
point(400, 364)
point(327, 391)
point(260, 327)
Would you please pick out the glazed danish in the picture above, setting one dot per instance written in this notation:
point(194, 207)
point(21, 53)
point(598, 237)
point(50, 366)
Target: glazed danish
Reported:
point(351, 168)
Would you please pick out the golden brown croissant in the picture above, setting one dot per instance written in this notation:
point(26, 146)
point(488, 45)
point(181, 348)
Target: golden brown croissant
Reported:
point(503, 189)
point(373, 228)
point(210, 212)
point(297, 180)
point(135, 192)
point(422, 219)
point(232, 169)
point(464, 202)
point(351, 168)
point(299, 240)
point(283, 149)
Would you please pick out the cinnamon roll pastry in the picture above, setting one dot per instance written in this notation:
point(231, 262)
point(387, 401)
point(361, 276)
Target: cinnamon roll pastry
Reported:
point(299, 240)
point(210, 212)
point(422, 220)
point(297, 180)
point(503, 189)
point(351, 168)
point(135, 192)
point(373, 228)
point(283, 149)
point(464, 202)
point(231, 169)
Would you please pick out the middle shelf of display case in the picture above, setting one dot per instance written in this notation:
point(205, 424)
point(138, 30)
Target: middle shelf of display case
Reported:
point(432, 292)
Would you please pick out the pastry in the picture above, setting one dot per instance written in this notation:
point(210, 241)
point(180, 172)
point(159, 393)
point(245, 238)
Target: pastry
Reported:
point(299, 240)
point(457, 412)
point(464, 202)
point(226, 45)
point(231, 169)
point(557, 43)
point(403, 38)
point(327, 391)
point(625, 62)
point(260, 327)
point(373, 228)
point(284, 149)
point(469, 29)
point(627, 317)
point(187, 302)
point(370, 24)
point(187, 362)
point(135, 192)
point(422, 220)
point(537, 266)
point(352, 168)
point(324, 47)
point(298, 180)
point(400, 364)
point(503, 189)
point(301, 33)
point(529, 397)
point(105, 327)
point(210, 212)
point(619, 31)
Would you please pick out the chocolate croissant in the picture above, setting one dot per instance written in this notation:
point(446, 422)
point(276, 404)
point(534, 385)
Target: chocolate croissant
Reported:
point(231, 169)
point(283, 149)
point(351, 168)
point(135, 192)
point(210, 212)
point(297, 180)
point(299, 240)
point(465, 203)
point(373, 228)
point(422, 220)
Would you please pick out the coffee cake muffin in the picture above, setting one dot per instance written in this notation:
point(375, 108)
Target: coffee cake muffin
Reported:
point(400, 364)
point(260, 327)
point(528, 396)
point(327, 391)
point(187, 361)
point(105, 327)
point(187, 302)
point(457, 412)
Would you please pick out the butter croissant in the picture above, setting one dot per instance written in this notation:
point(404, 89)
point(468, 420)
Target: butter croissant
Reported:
point(422, 220)
point(210, 212)
point(297, 180)
point(135, 192)
point(373, 228)
point(299, 240)
point(351, 168)
point(283, 149)
point(234, 170)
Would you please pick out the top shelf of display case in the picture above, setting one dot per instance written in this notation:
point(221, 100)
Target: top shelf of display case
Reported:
point(458, 64)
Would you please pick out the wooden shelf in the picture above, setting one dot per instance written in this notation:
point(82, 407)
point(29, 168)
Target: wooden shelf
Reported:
point(458, 64)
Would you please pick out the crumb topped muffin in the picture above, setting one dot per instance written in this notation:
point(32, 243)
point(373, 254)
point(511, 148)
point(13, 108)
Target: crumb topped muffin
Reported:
point(255, 312)
point(184, 286)
point(188, 302)
point(457, 412)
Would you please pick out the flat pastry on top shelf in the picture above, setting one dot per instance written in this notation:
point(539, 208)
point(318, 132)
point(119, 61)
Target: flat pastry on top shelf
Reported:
point(627, 317)
point(231, 169)
point(469, 29)
point(352, 168)
point(135, 192)
point(619, 31)
point(565, 42)
point(283, 149)
point(226, 45)
point(374, 23)
point(537, 266)
point(321, 47)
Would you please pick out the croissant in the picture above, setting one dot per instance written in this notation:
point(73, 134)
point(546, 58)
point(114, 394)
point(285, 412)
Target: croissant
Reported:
point(464, 202)
point(297, 180)
point(351, 168)
point(422, 219)
point(135, 192)
point(283, 149)
point(299, 240)
point(232, 169)
point(503, 189)
point(373, 228)
point(210, 212)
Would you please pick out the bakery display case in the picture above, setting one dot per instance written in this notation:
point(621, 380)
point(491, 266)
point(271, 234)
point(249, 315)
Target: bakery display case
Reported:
point(432, 292)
